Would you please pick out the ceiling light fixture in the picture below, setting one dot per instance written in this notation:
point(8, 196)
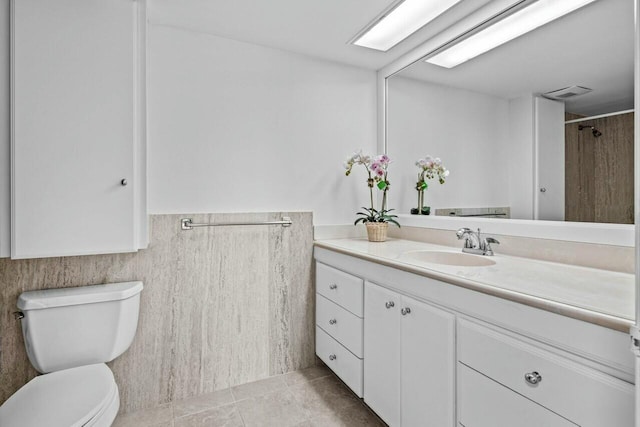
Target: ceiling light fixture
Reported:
point(399, 22)
point(521, 22)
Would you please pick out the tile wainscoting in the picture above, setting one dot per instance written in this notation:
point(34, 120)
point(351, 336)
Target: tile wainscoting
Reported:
point(222, 306)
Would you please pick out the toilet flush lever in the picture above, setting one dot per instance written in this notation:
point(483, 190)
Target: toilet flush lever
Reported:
point(18, 315)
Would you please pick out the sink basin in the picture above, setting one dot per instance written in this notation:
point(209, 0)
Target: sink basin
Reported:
point(449, 258)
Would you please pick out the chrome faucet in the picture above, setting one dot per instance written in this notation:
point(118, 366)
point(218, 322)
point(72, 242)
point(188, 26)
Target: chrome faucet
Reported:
point(475, 243)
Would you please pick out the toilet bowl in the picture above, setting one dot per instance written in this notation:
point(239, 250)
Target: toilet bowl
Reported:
point(69, 334)
point(83, 396)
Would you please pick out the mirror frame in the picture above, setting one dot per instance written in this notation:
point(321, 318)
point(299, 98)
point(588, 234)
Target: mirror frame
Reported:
point(585, 232)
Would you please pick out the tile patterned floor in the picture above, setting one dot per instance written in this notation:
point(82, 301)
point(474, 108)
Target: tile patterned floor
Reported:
point(312, 397)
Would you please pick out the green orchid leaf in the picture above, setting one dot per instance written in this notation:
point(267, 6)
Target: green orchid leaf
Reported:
point(394, 222)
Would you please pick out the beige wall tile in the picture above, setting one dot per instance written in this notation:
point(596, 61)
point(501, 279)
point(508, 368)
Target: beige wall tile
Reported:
point(221, 306)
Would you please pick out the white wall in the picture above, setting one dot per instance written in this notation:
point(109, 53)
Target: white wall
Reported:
point(550, 163)
point(467, 130)
point(520, 151)
point(5, 137)
point(236, 127)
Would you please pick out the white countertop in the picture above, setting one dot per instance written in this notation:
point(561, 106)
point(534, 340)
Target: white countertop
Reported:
point(597, 296)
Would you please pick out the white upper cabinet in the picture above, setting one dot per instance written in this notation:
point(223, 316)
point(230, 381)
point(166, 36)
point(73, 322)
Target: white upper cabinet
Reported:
point(78, 164)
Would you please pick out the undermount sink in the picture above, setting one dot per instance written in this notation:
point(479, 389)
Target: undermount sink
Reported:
point(449, 258)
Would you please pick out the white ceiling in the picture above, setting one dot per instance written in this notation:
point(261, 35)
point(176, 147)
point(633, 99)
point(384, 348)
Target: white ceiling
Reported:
point(319, 28)
point(591, 47)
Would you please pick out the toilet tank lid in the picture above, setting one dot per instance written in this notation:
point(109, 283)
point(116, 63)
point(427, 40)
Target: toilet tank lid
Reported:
point(49, 298)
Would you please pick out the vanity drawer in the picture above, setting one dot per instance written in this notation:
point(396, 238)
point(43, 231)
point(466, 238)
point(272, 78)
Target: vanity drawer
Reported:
point(340, 287)
point(483, 402)
point(340, 360)
point(341, 324)
point(579, 393)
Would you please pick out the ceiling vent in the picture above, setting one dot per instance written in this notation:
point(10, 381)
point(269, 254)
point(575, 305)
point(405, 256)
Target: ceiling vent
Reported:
point(567, 92)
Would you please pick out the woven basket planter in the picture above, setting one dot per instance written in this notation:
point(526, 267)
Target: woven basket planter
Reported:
point(377, 231)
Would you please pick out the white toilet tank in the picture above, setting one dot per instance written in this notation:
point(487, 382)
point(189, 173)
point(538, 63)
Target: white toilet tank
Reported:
point(66, 328)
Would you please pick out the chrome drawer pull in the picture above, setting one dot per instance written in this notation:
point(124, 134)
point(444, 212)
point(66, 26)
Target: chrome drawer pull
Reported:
point(332, 357)
point(405, 311)
point(533, 377)
point(333, 286)
point(389, 304)
point(333, 321)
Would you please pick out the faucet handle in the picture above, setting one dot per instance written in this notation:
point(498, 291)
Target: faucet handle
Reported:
point(462, 231)
point(487, 245)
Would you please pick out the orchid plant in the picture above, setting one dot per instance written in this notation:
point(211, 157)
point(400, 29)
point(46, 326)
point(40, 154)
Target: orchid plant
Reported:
point(430, 168)
point(377, 170)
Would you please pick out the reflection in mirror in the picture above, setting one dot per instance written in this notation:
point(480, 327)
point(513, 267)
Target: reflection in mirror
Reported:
point(540, 127)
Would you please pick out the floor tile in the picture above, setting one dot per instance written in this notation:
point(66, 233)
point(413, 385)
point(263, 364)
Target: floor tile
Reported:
point(357, 415)
point(323, 396)
point(278, 408)
point(258, 388)
point(202, 403)
point(305, 375)
point(160, 416)
point(312, 397)
point(222, 416)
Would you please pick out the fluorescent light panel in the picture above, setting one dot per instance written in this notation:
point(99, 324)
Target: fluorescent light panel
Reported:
point(407, 18)
point(511, 27)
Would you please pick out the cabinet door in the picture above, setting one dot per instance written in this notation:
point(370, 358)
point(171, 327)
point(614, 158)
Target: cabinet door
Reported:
point(428, 365)
point(73, 105)
point(382, 352)
point(485, 403)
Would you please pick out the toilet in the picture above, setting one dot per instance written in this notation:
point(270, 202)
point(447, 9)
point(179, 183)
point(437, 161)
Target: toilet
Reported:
point(69, 335)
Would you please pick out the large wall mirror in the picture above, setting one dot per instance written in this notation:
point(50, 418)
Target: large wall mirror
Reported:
point(539, 128)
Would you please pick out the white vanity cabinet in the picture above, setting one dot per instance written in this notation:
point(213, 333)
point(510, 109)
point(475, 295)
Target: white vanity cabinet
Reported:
point(483, 402)
point(409, 364)
point(543, 386)
point(339, 323)
point(77, 144)
point(437, 354)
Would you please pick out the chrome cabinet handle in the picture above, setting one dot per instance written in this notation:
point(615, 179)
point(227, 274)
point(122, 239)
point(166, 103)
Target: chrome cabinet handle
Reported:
point(389, 304)
point(332, 357)
point(405, 311)
point(333, 286)
point(533, 377)
point(123, 182)
point(333, 321)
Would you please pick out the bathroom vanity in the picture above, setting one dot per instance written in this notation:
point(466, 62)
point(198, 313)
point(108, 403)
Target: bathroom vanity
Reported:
point(439, 340)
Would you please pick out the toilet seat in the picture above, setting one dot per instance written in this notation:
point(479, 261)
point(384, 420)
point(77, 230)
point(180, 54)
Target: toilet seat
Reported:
point(82, 396)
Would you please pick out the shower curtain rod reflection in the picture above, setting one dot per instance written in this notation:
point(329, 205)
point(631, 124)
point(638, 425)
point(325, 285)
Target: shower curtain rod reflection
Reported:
point(599, 116)
point(188, 224)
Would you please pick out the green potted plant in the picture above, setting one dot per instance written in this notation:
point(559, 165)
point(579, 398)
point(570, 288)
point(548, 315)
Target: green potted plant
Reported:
point(376, 220)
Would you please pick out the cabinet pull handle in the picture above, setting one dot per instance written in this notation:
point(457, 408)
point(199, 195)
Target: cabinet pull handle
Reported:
point(333, 321)
point(123, 182)
point(333, 286)
point(389, 304)
point(405, 311)
point(533, 377)
point(332, 357)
